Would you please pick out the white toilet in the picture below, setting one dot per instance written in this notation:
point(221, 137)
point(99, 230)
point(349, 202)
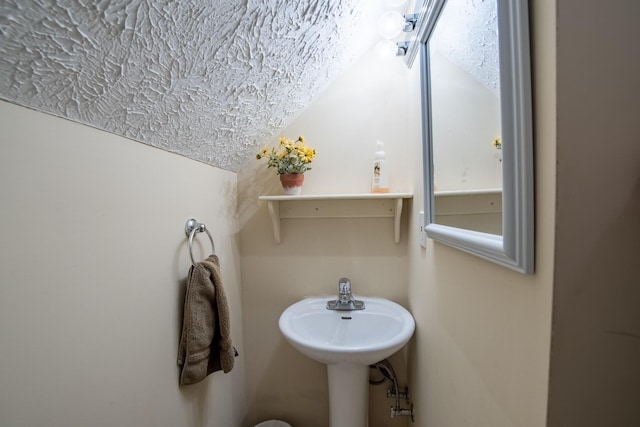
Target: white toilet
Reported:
point(273, 423)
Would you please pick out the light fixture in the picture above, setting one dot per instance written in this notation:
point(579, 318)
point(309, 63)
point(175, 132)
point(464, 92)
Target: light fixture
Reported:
point(391, 24)
point(402, 48)
point(386, 49)
point(410, 22)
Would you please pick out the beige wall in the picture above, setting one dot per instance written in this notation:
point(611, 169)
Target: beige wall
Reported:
point(595, 362)
point(480, 356)
point(93, 260)
point(372, 101)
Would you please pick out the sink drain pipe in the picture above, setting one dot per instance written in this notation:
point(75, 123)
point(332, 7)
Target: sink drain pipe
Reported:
point(386, 369)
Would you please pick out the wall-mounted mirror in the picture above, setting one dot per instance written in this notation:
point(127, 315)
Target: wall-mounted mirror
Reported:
point(478, 157)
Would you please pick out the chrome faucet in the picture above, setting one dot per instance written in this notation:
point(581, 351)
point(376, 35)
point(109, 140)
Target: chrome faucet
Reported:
point(344, 290)
point(345, 301)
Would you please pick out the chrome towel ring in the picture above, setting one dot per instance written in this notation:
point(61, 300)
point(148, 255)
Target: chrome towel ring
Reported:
point(192, 228)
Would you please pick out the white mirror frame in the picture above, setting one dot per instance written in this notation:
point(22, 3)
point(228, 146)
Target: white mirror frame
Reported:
point(515, 248)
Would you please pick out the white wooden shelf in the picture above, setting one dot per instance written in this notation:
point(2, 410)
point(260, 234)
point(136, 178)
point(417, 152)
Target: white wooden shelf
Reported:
point(367, 205)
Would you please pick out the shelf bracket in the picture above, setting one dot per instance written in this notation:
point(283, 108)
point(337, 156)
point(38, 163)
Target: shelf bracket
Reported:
point(396, 220)
point(274, 213)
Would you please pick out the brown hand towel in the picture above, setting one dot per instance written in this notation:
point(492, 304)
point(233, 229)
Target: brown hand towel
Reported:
point(205, 343)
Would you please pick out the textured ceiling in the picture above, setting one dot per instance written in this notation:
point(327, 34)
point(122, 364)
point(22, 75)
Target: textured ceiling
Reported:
point(211, 80)
point(467, 34)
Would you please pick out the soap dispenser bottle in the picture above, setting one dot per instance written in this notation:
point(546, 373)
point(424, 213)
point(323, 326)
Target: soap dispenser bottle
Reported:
point(380, 179)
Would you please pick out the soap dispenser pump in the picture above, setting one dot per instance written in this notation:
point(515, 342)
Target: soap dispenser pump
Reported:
point(380, 179)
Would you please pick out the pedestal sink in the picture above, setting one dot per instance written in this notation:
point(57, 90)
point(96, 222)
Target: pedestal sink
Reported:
point(347, 342)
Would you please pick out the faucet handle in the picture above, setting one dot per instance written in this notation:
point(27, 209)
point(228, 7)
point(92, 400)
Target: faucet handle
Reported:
point(345, 301)
point(344, 286)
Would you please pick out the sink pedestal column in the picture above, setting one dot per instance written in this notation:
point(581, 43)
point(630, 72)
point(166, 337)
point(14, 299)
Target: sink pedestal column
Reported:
point(348, 395)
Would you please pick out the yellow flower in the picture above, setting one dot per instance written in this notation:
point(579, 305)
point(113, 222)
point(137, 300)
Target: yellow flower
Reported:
point(262, 152)
point(307, 154)
point(289, 157)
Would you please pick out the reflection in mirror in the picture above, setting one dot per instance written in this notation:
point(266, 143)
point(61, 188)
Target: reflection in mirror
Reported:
point(477, 128)
point(465, 118)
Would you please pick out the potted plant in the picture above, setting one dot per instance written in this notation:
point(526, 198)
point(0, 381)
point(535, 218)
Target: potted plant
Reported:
point(291, 160)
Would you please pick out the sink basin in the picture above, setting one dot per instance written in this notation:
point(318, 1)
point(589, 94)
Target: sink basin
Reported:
point(359, 337)
point(347, 342)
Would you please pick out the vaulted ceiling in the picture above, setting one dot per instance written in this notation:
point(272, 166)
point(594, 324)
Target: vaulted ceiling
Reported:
point(210, 80)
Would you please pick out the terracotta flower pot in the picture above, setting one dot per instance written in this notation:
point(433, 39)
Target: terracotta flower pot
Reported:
point(292, 183)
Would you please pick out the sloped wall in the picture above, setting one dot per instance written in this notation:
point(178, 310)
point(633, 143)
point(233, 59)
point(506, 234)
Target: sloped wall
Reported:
point(208, 80)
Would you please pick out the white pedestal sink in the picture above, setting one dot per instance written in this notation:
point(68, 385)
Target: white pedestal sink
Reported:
point(347, 342)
